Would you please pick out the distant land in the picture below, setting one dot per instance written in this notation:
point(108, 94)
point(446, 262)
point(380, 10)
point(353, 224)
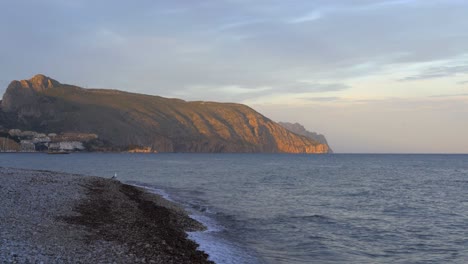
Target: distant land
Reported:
point(300, 130)
point(45, 111)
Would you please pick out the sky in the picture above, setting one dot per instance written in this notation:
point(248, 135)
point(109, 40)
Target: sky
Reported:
point(373, 76)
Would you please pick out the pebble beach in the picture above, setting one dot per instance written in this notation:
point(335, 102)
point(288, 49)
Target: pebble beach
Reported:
point(52, 217)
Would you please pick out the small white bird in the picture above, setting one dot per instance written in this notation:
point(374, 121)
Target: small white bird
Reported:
point(115, 176)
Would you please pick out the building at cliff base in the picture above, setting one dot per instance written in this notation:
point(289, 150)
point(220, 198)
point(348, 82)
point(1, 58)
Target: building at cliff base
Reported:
point(15, 140)
point(66, 146)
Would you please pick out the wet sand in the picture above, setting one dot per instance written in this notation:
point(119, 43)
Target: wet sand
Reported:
point(52, 217)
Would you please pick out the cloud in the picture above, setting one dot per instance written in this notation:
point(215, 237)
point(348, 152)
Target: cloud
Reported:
point(231, 89)
point(450, 95)
point(305, 86)
point(228, 93)
point(386, 4)
point(341, 56)
point(323, 99)
point(397, 125)
point(237, 24)
point(438, 72)
point(162, 47)
point(312, 16)
point(339, 7)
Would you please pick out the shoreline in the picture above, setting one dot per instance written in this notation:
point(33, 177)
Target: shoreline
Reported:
point(57, 217)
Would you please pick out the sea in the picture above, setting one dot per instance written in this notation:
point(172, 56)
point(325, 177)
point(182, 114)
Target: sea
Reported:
point(286, 208)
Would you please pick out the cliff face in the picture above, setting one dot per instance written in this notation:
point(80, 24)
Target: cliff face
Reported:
point(19, 94)
point(300, 130)
point(143, 121)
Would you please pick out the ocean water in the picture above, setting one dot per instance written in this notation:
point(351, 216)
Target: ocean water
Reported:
point(301, 208)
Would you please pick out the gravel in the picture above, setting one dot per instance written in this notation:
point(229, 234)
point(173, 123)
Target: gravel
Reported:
point(51, 217)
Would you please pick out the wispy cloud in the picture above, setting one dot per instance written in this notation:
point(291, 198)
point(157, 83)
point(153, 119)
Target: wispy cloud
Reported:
point(238, 24)
point(438, 72)
point(322, 99)
point(173, 10)
point(161, 47)
point(312, 16)
point(232, 93)
point(235, 89)
point(449, 95)
point(334, 7)
point(383, 4)
point(306, 86)
point(333, 54)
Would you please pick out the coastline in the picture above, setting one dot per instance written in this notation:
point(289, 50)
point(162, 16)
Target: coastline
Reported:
point(58, 217)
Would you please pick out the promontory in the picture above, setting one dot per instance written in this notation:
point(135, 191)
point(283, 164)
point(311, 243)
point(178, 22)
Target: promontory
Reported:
point(124, 121)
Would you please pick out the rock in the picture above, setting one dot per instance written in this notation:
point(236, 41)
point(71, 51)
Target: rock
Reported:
point(141, 150)
point(50, 204)
point(300, 130)
point(152, 123)
point(7, 144)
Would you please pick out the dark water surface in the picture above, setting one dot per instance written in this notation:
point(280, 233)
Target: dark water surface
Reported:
point(302, 208)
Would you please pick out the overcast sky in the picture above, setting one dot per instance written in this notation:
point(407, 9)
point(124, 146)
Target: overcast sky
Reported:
point(372, 75)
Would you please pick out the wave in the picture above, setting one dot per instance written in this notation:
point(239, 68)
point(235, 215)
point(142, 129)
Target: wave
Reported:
point(152, 189)
point(219, 249)
point(318, 218)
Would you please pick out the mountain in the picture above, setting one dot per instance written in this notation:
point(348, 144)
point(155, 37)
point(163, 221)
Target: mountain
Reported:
point(300, 130)
point(135, 121)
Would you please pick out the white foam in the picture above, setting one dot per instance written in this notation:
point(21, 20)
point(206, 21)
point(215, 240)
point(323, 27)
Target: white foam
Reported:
point(210, 223)
point(220, 250)
point(157, 191)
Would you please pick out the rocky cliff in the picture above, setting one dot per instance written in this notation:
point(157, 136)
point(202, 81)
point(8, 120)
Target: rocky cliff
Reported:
point(129, 120)
point(300, 130)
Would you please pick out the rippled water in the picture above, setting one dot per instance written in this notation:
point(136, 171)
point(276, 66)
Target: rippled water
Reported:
point(302, 208)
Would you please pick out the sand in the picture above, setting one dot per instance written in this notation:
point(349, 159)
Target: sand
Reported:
point(50, 217)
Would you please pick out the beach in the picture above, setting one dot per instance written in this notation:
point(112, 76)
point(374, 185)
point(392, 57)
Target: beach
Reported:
point(52, 217)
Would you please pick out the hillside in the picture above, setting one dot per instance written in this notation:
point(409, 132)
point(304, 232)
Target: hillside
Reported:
point(128, 120)
point(300, 130)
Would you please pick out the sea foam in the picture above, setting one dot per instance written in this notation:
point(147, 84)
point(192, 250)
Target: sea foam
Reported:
point(220, 250)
